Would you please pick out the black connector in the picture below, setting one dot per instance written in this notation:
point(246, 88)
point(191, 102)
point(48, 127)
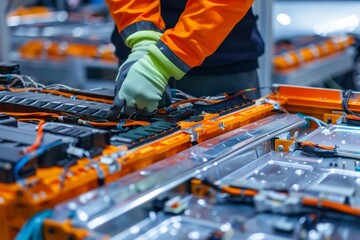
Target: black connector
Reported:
point(9, 68)
point(319, 151)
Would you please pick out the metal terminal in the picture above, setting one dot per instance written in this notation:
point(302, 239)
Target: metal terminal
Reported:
point(222, 126)
point(112, 163)
point(276, 105)
point(280, 148)
point(341, 119)
point(194, 136)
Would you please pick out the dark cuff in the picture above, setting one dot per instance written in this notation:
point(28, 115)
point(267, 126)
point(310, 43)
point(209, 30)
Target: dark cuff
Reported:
point(172, 57)
point(138, 26)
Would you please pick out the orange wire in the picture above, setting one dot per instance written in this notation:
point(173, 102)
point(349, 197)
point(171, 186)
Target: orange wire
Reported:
point(23, 89)
point(128, 123)
point(31, 115)
point(331, 205)
point(39, 137)
point(39, 134)
point(56, 92)
point(162, 110)
point(241, 93)
point(307, 143)
point(353, 117)
point(69, 95)
point(2, 88)
point(305, 201)
point(238, 191)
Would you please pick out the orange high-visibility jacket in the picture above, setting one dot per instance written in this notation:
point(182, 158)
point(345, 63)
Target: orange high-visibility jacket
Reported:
point(202, 26)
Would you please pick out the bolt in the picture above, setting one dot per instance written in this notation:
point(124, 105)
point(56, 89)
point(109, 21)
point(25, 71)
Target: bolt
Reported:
point(280, 148)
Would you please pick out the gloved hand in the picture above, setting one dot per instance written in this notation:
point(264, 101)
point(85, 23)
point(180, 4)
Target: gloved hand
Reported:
point(138, 42)
point(146, 80)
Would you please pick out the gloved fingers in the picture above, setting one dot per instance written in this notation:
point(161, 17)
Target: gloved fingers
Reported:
point(115, 109)
point(146, 108)
point(149, 107)
point(130, 106)
point(166, 97)
point(129, 110)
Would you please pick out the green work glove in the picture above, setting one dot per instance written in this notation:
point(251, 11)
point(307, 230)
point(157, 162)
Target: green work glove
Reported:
point(138, 42)
point(146, 80)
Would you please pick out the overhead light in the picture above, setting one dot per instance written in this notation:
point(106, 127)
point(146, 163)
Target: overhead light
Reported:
point(346, 24)
point(283, 19)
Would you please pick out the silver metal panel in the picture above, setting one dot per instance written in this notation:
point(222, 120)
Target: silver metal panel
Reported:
point(142, 186)
point(301, 175)
point(124, 210)
point(345, 137)
point(276, 171)
point(235, 221)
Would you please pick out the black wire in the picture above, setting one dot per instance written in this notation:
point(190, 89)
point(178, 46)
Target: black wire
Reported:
point(243, 92)
point(353, 122)
point(211, 184)
point(273, 89)
point(345, 102)
point(319, 152)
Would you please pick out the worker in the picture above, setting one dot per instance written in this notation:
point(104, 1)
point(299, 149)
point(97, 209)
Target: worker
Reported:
point(196, 29)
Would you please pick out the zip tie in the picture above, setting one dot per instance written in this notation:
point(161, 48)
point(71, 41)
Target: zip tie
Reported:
point(120, 126)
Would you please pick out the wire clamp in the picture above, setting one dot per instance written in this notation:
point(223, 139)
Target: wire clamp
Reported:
point(277, 202)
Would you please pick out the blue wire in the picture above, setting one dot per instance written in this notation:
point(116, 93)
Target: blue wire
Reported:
point(308, 118)
point(173, 92)
point(121, 125)
point(32, 229)
point(38, 152)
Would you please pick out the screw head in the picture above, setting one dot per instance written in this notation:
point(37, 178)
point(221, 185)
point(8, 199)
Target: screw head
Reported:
point(280, 148)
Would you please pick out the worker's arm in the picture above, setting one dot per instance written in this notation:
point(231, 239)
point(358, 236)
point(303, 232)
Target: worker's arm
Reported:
point(201, 29)
point(202, 26)
point(140, 25)
point(134, 15)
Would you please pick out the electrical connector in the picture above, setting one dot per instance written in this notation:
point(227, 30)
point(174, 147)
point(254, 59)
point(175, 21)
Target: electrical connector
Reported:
point(268, 201)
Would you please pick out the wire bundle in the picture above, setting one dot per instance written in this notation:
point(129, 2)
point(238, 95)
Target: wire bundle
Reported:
point(305, 201)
